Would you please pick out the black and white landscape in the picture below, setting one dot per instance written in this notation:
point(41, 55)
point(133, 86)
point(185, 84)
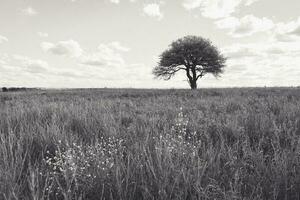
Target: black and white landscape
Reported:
point(149, 99)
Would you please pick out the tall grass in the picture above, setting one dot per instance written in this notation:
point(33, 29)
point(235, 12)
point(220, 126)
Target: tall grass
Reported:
point(150, 144)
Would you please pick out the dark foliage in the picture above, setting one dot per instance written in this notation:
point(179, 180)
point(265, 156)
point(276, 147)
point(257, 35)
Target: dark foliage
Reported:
point(4, 89)
point(17, 89)
point(192, 54)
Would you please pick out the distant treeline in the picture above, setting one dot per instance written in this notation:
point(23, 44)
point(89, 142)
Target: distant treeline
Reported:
point(16, 89)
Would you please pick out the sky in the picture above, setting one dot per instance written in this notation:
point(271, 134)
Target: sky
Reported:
point(117, 43)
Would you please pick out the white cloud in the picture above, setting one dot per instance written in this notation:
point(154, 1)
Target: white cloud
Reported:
point(245, 26)
point(3, 39)
point(153, 10)
point(19, 70)
point(29, 11)
point(219, 8)
point(108, 61)
point(260, 50)
point(287, 32)
point(118, 1)
point(249, 25)
point(3, 59)
point(283, 37)
point(238, 51)
point(263, 63)
point(37, 66)
point(249, 2)
point(106, 55)
point(112, 1)
point(31, 65)
point(2, 62)
point(103, 66)
point(117, 46)
point(115, 1)
point(191, 4)
point(43, 34)
point(296, 31)
point(67, 48)
point(216, 9)
point(138, 72)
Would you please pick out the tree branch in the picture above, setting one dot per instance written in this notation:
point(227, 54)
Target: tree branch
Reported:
point(188, 73)
point(200, 75)
point(167, 72)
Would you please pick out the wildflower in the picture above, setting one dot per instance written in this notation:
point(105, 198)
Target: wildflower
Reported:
point(82, 162)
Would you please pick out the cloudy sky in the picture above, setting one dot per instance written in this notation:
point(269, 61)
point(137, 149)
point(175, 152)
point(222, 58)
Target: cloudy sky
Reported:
point(116, 43)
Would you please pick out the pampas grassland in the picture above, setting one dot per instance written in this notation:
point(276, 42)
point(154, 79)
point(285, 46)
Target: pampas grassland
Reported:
point(150, 144)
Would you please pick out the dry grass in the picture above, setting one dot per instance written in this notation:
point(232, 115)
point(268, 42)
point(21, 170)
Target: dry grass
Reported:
point(150, 144)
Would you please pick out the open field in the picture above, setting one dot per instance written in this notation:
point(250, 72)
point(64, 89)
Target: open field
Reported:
point(150, 144)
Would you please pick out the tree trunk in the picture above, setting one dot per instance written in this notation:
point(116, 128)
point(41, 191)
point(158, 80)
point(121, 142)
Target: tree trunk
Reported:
point(194, 78)
point(193, 84)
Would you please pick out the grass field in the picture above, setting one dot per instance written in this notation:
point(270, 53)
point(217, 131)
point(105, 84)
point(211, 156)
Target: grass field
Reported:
point(150, 144)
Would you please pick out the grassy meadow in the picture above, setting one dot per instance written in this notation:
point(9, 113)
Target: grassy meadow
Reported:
point(150, 144)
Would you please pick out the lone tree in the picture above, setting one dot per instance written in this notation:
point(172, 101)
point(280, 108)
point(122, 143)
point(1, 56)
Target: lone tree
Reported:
point(192, 54)
point(4, 89)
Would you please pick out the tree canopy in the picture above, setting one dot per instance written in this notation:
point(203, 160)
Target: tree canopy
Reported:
point(192, 54)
